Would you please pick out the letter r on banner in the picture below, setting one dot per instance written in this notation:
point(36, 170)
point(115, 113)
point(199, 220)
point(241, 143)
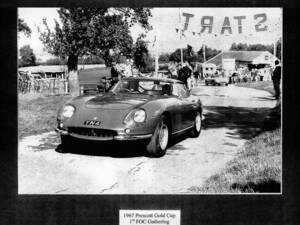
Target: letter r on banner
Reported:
point(207, 22)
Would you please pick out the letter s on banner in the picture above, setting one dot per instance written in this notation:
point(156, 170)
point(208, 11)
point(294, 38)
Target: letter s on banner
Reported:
point(259, 26)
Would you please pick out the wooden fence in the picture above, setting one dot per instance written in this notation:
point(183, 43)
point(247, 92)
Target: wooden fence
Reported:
point(27, 84)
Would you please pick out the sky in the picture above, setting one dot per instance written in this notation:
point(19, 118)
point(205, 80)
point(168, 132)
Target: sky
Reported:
point(165, 21)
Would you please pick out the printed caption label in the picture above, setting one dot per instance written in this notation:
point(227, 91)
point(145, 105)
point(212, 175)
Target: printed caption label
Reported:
point(149, 217)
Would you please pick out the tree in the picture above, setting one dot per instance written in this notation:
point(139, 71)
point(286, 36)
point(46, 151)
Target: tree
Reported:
point(27, 57)
point(188, 55)
point(191, 56)
point(209, 53)
point(84, 31)
point(164, 58)
point(23, 27)
point(141, 56)
point(258, 47)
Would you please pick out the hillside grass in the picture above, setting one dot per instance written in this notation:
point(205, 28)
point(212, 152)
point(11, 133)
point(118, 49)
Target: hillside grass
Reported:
point(37, 113)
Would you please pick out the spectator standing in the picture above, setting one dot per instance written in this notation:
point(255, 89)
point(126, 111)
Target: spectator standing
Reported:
point(114, 73)
point(276, 79)
point(184, 73)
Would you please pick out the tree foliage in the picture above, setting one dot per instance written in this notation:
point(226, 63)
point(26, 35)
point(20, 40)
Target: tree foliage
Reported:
point(141, 56)
point(23, 27)
point(164, 58)
point(209, 53)
point(258, 47)
point(91, 59)
point(191, 56)
point(27, 57)
point(84, 31)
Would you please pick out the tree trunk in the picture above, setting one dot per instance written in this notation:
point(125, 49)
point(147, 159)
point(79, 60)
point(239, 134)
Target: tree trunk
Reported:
point(73, 75)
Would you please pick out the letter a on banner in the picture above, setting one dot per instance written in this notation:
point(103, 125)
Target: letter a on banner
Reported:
point(226, 26)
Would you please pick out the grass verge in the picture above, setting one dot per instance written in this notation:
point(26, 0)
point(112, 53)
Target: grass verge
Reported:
point(37, 113)
point(257, 167)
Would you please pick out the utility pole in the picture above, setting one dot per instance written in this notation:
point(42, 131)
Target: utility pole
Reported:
point(180, 33)
point(156, 54)
point(203, 51)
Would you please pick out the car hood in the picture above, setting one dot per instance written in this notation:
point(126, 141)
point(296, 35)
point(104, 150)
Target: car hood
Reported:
point(119, 101)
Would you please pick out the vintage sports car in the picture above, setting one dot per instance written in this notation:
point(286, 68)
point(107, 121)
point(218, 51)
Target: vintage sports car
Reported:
point(216, 80)
point(152, 109)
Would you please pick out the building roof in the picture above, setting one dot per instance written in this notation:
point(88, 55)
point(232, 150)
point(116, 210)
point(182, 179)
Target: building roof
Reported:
point(244, 56)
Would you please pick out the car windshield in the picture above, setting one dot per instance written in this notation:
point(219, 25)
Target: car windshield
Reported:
point(147, 87)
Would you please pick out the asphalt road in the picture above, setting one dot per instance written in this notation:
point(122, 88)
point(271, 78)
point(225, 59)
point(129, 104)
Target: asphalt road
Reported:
point(233, 115)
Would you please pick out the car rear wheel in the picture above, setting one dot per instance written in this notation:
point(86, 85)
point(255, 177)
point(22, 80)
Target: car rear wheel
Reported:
point(158, 144)
point(196, 130)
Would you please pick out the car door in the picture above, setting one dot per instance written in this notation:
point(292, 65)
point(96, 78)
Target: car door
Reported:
point(186, 106)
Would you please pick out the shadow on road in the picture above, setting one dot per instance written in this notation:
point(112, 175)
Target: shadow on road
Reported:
point(243, 121)
point(117, 149)
point(270, 186)
point(109, 149)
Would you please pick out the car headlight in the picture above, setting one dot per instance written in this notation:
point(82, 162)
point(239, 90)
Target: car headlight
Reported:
point(139, 116)
point(67, 111)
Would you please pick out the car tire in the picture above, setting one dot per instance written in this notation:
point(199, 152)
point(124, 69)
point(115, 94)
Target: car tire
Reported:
point(158, 144)
point(65, 144)
point(196, 130)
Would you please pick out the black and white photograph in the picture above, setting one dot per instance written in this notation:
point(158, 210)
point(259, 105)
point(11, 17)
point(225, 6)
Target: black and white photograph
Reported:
point(149, 101)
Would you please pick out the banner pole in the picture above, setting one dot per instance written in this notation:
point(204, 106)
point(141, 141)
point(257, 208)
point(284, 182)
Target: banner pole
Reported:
point(180, 37)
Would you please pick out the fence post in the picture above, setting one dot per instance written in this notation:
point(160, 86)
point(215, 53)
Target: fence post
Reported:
point(66, 85)
point(51, 86)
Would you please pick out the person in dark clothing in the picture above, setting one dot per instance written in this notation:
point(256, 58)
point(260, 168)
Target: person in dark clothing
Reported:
point(276, 79)
point(114, 74)
point(184, 73)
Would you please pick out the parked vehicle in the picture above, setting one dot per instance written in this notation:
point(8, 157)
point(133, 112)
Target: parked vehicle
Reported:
point(136, 108)
point(216, 80)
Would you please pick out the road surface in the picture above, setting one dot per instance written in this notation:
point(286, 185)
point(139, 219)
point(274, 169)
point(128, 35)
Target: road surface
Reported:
point(233, 115)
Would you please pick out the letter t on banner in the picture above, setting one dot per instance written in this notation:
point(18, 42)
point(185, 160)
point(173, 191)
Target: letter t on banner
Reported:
point(239, 19)
point(187, 19)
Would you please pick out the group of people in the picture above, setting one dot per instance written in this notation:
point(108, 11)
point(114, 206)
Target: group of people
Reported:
point(186, 73)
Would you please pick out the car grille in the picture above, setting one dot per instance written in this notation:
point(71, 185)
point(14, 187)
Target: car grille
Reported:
point(92, 132)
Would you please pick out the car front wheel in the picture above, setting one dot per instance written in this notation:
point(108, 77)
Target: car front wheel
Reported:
point(65, 144)
point(158, 144)
point(195, 132)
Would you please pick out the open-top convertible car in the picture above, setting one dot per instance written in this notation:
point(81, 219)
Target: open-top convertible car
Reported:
point(135, 108)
